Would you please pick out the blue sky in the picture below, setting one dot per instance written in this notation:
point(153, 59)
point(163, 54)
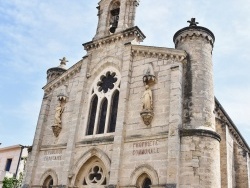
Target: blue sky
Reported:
point(35, 34)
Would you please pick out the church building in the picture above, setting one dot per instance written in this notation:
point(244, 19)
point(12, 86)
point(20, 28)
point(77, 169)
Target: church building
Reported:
point(133, 116)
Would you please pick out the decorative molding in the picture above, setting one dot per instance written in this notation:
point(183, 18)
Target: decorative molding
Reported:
point(137, 138)
point(51, 147)
point(92, 152)
point(49, 172)
point(158, 52)
point(223, 119)
point(144, 169)
point(226, 120)
point(147, 117)
point(134, 31)
point(63, 78)
point(97, 140)
point(200, 132)
point(194, 32)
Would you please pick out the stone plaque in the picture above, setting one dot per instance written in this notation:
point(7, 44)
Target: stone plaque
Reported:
point(145, 147)
point(53, 155)
point(171, 185)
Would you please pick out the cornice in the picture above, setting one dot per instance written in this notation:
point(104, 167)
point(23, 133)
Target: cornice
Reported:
point(134, 31)
point(224, 118)
point(159, 52)
point(189, 33)
point(200, 132)
point(63, 78)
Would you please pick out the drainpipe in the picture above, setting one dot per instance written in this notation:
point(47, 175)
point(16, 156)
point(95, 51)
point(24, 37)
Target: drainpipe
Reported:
point(20, 156)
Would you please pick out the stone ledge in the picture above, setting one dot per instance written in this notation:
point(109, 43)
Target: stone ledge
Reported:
point(98, 140)
point(58, 146)
point(200, 132)
point(102, 42)
point(136, 138)
point(159, 52)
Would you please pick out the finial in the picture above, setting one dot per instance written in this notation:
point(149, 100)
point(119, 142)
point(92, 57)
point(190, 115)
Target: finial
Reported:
point(193, 22)
point(63, 62)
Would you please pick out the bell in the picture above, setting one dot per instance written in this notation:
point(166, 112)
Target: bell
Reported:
point(112, 29)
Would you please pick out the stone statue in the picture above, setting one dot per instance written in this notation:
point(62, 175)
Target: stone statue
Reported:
point(58, 115)
point(147, 100)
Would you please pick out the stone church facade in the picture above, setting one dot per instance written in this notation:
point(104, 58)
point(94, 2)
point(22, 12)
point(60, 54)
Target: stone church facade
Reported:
point(134, 116)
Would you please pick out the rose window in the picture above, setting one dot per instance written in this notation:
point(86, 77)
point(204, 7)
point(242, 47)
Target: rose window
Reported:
point(107, 82)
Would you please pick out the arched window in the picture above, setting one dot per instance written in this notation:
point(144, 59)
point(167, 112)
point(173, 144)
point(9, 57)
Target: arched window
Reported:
point(104, 103)
point(102, 119)
point(113, 113)
point(92, 115)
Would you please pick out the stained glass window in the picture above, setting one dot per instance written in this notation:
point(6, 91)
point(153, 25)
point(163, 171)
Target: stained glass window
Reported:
point(102, 119)
point(107, 82)
point(91, 122)
point(113, 113)
point(104, 104)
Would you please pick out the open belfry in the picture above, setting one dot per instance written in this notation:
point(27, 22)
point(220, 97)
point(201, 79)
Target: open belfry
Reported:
point(134, 116)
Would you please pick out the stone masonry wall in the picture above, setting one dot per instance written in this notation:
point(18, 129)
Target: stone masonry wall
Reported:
point(241, 167)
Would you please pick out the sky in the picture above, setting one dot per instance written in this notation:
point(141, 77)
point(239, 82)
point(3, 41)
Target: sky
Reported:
point(35, 34)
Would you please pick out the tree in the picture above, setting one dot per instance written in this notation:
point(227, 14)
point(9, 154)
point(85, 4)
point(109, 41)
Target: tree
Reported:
point(13, 182)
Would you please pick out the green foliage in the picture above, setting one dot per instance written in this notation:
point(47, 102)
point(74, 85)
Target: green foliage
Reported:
point(12, 182)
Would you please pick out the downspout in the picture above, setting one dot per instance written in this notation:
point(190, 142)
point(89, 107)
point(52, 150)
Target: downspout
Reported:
point(20, 156)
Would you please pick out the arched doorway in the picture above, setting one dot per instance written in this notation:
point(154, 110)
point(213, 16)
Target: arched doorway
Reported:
point(48, 182)
point(144, 181)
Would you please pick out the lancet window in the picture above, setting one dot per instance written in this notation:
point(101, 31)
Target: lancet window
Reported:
point(104, 103)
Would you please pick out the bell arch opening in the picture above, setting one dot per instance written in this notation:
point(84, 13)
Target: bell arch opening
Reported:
point(114, 16)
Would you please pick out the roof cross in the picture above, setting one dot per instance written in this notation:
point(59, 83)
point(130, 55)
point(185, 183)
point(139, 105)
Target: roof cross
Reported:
point(193, 22)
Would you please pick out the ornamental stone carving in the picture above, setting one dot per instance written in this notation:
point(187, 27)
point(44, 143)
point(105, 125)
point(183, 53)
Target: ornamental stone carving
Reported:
point(57, 126)
point(147, 106)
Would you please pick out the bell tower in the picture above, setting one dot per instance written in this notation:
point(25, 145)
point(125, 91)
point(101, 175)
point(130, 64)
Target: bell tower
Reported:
point(115, 16)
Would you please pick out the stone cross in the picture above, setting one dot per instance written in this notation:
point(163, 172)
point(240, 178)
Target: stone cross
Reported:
point(193, 22)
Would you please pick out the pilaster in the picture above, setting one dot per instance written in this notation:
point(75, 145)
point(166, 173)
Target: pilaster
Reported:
point(121, 117)
point(175, 121)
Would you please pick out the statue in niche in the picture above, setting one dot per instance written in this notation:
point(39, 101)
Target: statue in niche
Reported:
point(58, 115)
point(147, 106)
point(57, 126)
point(147, 99)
